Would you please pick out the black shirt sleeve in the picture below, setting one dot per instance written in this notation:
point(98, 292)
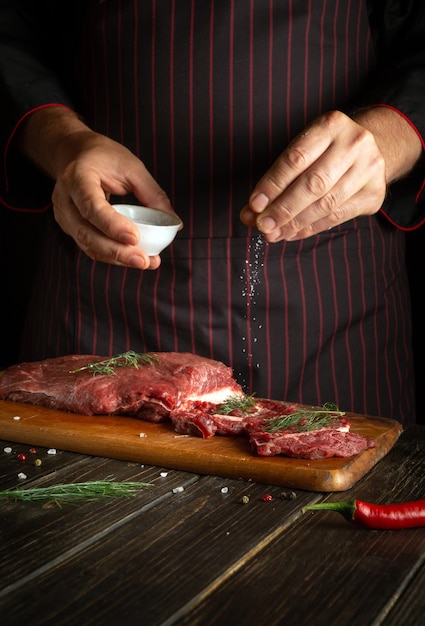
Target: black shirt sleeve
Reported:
point(36, 47)
point(398, 28)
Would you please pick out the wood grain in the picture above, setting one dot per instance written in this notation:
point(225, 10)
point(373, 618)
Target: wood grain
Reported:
point(120, 438)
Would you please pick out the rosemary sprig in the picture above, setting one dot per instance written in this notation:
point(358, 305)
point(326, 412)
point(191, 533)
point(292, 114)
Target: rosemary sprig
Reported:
point(126, 359)
point(74, 492)
point(236, 403)
point(305, 419)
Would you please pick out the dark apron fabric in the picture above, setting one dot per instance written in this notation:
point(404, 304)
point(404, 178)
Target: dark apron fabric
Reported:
point(208, 94)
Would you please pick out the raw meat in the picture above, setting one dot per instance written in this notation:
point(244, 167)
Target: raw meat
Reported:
point(335, 441)
point(204, 421)
point(183, 388)
point(149, 391)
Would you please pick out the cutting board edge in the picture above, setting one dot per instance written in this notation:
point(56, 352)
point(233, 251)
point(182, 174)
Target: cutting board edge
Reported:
point(329, 480)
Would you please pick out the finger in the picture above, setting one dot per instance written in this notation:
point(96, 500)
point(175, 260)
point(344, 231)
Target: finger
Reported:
point(301, 153)
point(247, 217)
point(340, 173)
point(86, 201)
point(146, 189)
point(358, 205)
point(335, 205)
point(318, 190)
point(95, 243)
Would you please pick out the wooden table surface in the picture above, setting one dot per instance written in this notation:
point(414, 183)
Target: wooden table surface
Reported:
point(188, 552)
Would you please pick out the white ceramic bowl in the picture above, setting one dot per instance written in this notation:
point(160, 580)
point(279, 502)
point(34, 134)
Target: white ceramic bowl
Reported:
point(157, 229)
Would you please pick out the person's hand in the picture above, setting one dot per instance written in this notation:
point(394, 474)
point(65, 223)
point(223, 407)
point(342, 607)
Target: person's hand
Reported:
point(332, 172)
point(87, 168)
point(97, 168)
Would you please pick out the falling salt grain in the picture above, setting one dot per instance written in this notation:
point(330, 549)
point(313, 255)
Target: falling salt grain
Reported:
point(7, 450)
point(51, 451)
point(178, 489)
point(16, 418)
point(22, 475)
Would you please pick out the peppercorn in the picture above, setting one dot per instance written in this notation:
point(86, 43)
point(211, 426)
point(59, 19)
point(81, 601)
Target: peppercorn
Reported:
point(267, 497)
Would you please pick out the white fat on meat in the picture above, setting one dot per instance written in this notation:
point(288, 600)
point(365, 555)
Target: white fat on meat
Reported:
point(215, 396)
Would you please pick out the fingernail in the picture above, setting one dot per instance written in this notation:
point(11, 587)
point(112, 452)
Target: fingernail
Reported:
point(138, 262)
point(266, 224)
point(128, 238)
point(259, 202)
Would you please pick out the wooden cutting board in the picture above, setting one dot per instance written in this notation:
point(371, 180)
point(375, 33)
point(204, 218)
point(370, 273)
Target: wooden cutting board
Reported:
point(130, 439)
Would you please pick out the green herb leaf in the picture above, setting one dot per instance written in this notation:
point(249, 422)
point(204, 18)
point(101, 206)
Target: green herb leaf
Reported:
point(245, 404)
point(305, 419)
point(126, 359)
point(73, 492)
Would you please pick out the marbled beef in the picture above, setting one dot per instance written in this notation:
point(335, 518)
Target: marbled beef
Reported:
point(150, 391)
point(183, 388)
point(330, 441)
point(204, 420)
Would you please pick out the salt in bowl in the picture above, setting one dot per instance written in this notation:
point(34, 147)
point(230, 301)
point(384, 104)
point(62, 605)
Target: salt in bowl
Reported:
point(157, 229)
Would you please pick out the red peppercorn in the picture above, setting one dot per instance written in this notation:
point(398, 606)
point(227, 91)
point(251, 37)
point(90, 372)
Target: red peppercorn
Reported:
point(33, 450)
point(22, 457)
point(267, 497)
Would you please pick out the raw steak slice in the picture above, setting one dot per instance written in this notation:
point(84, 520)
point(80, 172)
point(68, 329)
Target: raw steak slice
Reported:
point(329, 441)
point(149, 391)
point(334, 440)
point(203, 420)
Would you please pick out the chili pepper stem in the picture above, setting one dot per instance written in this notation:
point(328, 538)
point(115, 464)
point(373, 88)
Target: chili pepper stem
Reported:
point(347, 509)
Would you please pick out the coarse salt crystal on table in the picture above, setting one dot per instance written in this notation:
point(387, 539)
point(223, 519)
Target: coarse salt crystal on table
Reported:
point(7, 450)
point(163, 474)
point(51, 451)
point(178, 489)
point(22, 475)
point(16, 417)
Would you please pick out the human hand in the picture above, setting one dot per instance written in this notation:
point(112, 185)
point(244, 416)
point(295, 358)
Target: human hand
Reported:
point(89, 168)
point(332, 172)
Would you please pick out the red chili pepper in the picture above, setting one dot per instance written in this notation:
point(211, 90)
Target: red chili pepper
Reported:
point(378, 516)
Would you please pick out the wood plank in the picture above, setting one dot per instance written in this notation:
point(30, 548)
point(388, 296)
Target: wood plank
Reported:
point(324, 570)
point(12, 465)
point(152, 563)
point(26, 545)
point(201, 558)
point(409, 610)
point(321, 571)
point(119, 438)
